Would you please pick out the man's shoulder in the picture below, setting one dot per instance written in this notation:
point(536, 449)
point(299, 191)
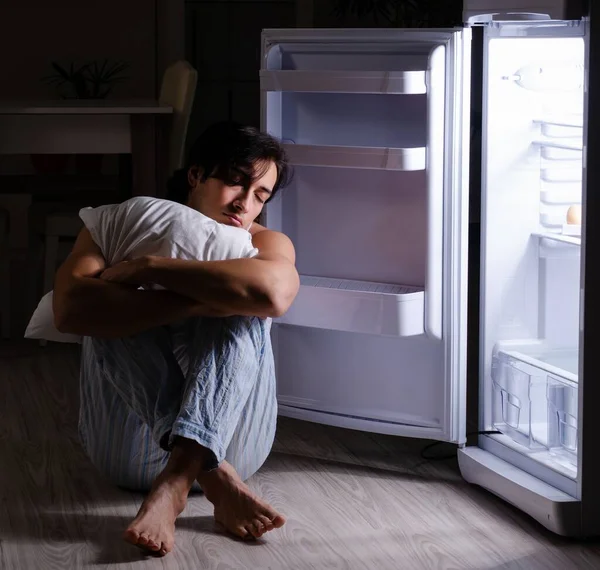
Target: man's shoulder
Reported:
point(263, 233)
point(257, 229)
point(271, 242)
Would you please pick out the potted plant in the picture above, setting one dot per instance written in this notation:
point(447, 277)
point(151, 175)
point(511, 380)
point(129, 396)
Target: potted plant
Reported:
point(93, 80)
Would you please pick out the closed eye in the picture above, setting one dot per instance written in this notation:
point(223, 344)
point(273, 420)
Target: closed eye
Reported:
point(263, 194)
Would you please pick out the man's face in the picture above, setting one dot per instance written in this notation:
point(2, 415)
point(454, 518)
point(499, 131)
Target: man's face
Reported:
point(236, 205)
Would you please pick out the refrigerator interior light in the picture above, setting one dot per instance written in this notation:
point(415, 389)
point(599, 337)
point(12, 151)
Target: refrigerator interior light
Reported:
point(550, 77)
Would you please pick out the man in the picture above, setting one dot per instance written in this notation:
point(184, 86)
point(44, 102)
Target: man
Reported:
point(177, 385)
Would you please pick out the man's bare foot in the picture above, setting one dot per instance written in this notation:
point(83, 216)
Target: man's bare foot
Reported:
point(154, 526)
point(236, 508)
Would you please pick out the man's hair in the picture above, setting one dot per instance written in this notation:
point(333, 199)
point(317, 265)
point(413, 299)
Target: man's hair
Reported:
point(233, 153)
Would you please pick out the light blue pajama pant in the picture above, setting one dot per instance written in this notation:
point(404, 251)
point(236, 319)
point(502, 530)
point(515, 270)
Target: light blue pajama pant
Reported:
point(209, 380)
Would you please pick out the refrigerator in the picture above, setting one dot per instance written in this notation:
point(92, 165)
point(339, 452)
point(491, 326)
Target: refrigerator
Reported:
point(442, 213)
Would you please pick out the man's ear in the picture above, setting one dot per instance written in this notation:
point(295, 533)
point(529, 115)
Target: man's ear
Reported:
point(194, 174)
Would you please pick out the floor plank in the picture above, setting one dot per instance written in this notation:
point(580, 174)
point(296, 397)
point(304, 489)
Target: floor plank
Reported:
point(353, 500)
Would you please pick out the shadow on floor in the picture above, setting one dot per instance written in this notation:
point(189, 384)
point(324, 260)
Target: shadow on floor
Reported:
point(102, 532)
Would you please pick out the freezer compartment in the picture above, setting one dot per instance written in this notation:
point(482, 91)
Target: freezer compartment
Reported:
point(535, 399)
point(357, 306)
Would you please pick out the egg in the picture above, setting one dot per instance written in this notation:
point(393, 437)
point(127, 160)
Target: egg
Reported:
point(574, 215)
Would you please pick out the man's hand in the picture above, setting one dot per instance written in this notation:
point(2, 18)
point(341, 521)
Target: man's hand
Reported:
point(262, 286)
point(88, 306)
point(128, 272)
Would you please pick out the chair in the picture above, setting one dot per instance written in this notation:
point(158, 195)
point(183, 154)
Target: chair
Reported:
point(5, 273)
point(178, 90)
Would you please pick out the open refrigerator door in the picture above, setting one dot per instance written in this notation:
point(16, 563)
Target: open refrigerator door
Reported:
point(373, 123)
point(532, 165)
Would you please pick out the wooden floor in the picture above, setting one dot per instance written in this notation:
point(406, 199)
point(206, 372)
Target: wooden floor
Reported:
point(353, 500)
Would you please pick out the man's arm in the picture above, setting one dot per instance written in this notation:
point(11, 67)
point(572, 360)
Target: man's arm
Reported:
point(263, 286)
point(88, 306)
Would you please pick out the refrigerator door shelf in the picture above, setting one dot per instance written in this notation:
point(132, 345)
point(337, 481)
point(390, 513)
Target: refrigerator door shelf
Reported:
point(357, 157)
point(357, 306)
point(320, 81)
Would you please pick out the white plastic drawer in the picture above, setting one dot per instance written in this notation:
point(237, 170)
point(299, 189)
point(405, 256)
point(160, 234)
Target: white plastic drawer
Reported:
point(563, 419)
point(519, 401)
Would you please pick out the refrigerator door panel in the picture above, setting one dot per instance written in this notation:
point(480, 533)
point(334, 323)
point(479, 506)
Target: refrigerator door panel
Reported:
point(531, 241)
point(373, 121)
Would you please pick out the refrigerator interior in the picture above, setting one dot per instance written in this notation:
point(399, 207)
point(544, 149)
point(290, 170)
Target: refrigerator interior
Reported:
point(531, 241)
point(354, 117)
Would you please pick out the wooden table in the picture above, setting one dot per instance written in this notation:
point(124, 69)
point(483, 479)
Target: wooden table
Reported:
point(136, 127)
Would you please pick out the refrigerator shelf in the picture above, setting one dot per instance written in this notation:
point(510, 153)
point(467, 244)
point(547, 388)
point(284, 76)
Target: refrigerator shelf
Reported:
point(560, 238)
point(391, 82)
point(357, 157)
point(561, 127)
point(567, 122)
point(576, 146)
point(566, 150)
point(357, 306)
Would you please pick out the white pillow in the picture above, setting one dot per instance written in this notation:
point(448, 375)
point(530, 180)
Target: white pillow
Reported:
point(148, 226)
